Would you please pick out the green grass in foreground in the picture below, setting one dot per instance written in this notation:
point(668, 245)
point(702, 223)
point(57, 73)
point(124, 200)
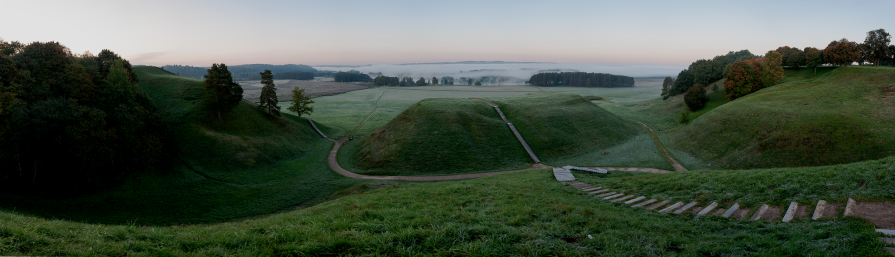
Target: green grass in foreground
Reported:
point(439, 136)
point(870, 180)
point(245, 165)
point(841, 116)
point(559, 125)
point(518, 214)
point(639, 151)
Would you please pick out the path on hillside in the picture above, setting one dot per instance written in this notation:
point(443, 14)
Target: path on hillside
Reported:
point(677, 166)
point(368, 116)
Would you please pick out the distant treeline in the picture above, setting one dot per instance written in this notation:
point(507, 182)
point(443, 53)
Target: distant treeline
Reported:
point(299, 75)
point(351, 77)
point(239, 72)
point(580, 79)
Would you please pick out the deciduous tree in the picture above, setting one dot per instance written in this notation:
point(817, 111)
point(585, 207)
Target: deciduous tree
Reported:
point(269, 94)
point(478, 83)
point(842, 52)
point(301, 104)
point(434, 81)
point(813, 58)
point(877, 43)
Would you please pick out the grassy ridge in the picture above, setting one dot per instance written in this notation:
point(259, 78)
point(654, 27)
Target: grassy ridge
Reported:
point(842, 116)
point(246, 164)
point(558, 125)
point(519, 214)
point(439, 136)
point(870, 180)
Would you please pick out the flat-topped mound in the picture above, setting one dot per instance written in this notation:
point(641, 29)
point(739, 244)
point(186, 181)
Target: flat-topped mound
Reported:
point(440, 136)
point(556, 125)
point(842, 116)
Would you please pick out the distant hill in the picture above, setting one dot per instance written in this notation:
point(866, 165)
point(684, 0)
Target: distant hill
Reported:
point(240, 72)
point(473, 62)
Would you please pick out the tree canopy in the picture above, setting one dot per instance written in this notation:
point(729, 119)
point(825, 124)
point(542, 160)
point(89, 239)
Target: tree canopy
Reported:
point(580, 79)
point(68, 121)
point(301, 103)
point(269, 94)
point(221, 93)
point(749, 76)
point(351, 77)
point(842, 52)
point(877, 45)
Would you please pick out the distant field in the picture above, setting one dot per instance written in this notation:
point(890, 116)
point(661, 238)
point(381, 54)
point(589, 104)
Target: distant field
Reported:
point(346, 111)
point(313, 88)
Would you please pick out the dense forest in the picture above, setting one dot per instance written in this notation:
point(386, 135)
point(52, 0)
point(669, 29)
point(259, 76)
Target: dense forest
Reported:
point(299, 75)
point(704, 71)
point(351, 77)
point(239, 72)
point(74, 121)
point(580, 79)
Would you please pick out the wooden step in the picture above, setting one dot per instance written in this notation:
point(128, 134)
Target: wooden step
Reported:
point(660, 204)
point(606, 194)
point(635, 200)
point(622, 198)
point(761, 210)
point(644, 203)
point(707, 209)
point(685, 208)
point(672, 207)
point(734, 208)
point(888, 232)
point(888, 240)
point(598, 191)
point(790, 212)
point(591, 189)
point(613, 196)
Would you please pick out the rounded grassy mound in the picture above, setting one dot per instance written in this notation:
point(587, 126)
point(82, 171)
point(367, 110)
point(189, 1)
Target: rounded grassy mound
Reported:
point(556, 125)
point(439, 136)
point(842, 116)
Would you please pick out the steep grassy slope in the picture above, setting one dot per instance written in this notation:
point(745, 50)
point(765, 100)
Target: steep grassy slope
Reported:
point(558, 125)
point(518, 214)
point(842, 116)
point(439, 136)
point(246, 164)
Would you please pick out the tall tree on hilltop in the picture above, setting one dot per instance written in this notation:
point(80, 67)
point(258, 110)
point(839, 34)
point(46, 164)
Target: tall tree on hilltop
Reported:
point(813, 58)
point(877, 43)
point(220, 90)
point(269, 94)
point(301, 104)
point(842, 52)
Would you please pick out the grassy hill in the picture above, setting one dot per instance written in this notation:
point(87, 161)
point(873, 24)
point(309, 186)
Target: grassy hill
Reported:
point(518, 214)
point(558, 125)
point(246, 164)
point(839, 116)
point(438, 136)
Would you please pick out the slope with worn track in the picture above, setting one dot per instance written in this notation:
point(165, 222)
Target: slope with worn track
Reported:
point(557, 125)
point(440, 136)
point(842, 116)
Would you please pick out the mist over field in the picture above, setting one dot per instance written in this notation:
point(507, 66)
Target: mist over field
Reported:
point(521, 70)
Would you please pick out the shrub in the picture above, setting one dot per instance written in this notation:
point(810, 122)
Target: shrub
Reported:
point(685, 117)
point(695, 97)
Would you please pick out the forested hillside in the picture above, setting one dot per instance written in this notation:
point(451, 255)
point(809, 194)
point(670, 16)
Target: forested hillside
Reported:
point(240, 72)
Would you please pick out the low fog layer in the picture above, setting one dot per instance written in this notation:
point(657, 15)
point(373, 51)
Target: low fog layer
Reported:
point(518, 70)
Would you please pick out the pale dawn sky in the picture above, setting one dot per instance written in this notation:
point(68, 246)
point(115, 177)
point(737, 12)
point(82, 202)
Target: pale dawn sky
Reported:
point(388, 32)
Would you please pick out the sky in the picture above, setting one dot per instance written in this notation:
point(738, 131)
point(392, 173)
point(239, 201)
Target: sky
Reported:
point(655, 33)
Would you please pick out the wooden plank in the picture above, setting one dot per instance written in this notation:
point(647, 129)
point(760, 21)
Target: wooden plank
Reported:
point(707, 209)
point(622, 198)
point(685, 208)
point(734, 208)
point(644, 203)
point(790, 212)
point(635, 200)
point(660, 204)
point(672, 207)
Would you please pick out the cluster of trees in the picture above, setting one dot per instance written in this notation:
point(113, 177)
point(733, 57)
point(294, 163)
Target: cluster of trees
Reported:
point(580, 79)
point(351, 77)
point(74, 120)
point(221, 93)
point(298, 75)
point(745, 77)
point(408, 81)
point(240, 72)
point(702, 72)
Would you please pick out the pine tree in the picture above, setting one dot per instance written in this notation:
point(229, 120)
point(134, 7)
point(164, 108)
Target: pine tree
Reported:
point(269, 94)
point(220, 90)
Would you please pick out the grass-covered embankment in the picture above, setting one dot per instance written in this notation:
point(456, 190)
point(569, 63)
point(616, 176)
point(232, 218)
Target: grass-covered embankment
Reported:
point(246, 164)
point(869, 180)
point(519, 214)
point(558, 126)
point(438, 136)
point(841, 116)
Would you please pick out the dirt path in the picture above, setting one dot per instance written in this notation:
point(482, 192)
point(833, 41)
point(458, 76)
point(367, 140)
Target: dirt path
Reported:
point(368, 116)
point(333, 161)
point(677, 166)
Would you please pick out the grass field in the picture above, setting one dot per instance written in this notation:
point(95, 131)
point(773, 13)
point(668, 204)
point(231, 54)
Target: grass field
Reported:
point(559, 125)
point(439, 136)
point(870, 180)
point(837, 116)
point(518, 214)
point(247, 164)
